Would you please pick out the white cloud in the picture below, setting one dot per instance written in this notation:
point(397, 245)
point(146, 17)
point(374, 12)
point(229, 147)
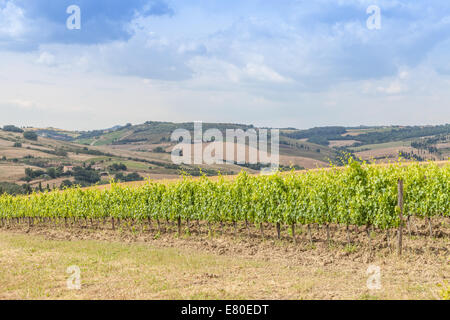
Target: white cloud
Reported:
point(46, 58)
point(302, 64)
point(25, 104)
point(12, 21)
point(393, 88)
point(263, 73)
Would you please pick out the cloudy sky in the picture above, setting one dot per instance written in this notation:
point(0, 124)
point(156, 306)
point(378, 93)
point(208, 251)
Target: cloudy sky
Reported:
point(282, 63)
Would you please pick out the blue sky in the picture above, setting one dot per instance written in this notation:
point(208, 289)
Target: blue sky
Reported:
point(270, 63)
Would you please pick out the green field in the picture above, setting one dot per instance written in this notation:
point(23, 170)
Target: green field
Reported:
point(34, 267)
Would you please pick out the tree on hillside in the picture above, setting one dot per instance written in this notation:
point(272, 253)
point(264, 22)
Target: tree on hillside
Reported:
point(30, 135)
point(11, 128)
point(115, 167)
point(159, 150)
point(85, 176)
point(66, 184)
point(128, 178)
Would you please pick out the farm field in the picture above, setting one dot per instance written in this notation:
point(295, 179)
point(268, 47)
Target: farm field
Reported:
point(359, 195)
point(135, 264)
point(246, 153)
point(305, 234)
point(145, 150)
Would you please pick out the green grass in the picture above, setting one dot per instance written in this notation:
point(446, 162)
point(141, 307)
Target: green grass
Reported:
point(33, 267)
point(370, 130)
point(84, 141)
point(108, 138)
point(133, 165)
point(444, 291)
point(368, 297)
point(403, 143)
point(351, 248)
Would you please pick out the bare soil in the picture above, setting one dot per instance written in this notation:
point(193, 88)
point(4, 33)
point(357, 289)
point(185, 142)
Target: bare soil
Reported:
point(249, 242)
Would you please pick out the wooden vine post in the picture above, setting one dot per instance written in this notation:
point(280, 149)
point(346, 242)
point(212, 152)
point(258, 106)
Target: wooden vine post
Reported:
point(278, 231)
point(293, 233)
point(400, 205)
point(179, 226)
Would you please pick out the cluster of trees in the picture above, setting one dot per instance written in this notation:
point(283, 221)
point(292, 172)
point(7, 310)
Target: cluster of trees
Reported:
point(16, 189)
point(85, 150)
point(83, 176)
point(323, 135)
point(320, 140)
point(295, 144)
point(198, 172)
point(411, 156)
point(115, 167)
point(49, 173)
point(343, 156)
point(319, 135)
point(86, 176)
point(66, 184)
point(12, 188)
point(159, 150)
point(11, 128)
point(91, 134)
point(31, 174)
point(400, 134)
point(35, 162)
point(429, 144)
point(52, 134)
point(30, 135)
point(128, 177)
point(424, 145)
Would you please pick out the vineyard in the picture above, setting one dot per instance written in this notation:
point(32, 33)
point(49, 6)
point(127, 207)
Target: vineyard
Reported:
point(354, 196)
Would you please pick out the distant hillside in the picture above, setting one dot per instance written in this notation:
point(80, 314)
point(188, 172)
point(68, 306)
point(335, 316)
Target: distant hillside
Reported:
point(42, 158)
point(367, 135)
point(150, 131)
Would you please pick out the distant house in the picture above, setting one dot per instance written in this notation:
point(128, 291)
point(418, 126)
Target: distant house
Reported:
point(67, 169)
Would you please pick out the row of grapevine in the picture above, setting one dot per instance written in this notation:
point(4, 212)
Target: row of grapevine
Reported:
point(357, 195)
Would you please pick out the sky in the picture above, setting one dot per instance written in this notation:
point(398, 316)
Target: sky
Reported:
point(299, 63)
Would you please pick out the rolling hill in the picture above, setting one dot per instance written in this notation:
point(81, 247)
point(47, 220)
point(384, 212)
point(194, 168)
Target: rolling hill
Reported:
point(56, 157)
